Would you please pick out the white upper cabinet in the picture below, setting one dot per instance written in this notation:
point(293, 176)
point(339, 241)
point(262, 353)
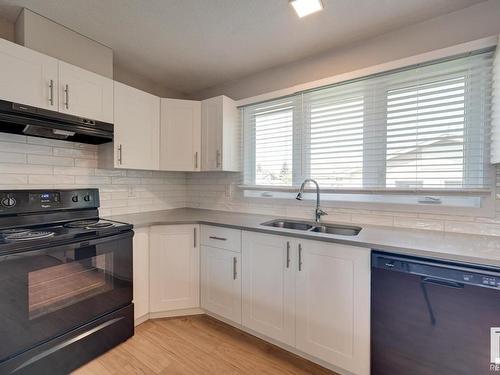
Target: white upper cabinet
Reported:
point(137, 129)
point(332, 304)
point(86, 94)
point(220, 138)
point(180, 135)
point(268, 286)
point(27, 77)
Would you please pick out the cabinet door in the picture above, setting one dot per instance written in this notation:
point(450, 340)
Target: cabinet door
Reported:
point(137, 129)
point(174, 268)
point(268, 286)
point(332, 304)
point(86, 94)
point(141, 272)
point(27, 77)
point(180, 135)
point(211, 138)
point(221, 282)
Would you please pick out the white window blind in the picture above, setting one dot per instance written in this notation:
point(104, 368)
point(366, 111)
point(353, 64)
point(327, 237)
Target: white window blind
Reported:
point(425, 127)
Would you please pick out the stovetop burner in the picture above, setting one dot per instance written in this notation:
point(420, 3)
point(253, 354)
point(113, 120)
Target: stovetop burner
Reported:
point(88, 224)
point(27, 235)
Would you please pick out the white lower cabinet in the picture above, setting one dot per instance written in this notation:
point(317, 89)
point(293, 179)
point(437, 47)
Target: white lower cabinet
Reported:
point(221, 282)
point(141, 273)
point(332, 311)
point(174, 266)
point(268, 286)
point(311, 295)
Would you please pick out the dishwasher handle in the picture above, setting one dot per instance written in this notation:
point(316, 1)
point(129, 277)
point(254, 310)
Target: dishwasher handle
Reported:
point(440, 282)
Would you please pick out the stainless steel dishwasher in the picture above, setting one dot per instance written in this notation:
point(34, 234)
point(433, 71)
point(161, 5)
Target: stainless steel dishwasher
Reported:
point(433, 317)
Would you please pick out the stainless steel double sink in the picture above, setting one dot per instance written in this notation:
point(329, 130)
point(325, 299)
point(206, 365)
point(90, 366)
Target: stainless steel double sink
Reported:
point(343, 230)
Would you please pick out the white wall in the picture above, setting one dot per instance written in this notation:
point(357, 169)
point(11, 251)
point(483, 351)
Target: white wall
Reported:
point(468, 24)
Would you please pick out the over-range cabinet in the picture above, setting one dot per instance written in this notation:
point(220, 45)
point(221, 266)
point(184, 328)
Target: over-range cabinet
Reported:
point(65, 285)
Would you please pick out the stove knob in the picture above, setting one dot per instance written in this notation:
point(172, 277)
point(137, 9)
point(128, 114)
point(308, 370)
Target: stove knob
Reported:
point(8, 202)
point(74, 198)
point(86, 198)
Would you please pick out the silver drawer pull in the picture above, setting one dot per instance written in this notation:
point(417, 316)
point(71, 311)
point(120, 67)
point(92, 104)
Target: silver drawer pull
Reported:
point(217, 238)
point(235, 273)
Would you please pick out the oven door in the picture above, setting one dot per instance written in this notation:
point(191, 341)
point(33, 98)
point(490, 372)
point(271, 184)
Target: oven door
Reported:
point(45, 293)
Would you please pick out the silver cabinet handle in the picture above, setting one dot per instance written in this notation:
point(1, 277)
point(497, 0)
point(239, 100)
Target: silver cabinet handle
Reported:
point(51, 92)
point(235, 273)
point(194, 237)
point(66, 93)
point(120, 154)
point(217, 238)
point(300, 257)
point(196, 160)
point(288, 254)
point(217, 159)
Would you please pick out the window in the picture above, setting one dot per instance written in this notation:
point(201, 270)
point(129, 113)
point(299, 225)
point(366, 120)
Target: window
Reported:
point(424, 127)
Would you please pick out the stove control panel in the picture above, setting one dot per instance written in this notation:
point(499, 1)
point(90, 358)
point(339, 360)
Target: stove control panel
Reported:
point(24, 201)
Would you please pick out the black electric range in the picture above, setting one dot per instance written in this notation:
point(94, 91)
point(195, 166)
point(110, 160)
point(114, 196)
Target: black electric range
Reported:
point(65, 281)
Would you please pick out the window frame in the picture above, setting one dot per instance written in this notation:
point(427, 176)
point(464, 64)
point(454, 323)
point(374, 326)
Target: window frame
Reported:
point(301, 159)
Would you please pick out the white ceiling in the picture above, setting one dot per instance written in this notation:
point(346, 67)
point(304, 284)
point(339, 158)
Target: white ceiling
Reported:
point(189, 45)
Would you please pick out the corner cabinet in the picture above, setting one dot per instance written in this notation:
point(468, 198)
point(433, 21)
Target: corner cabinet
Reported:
point(137, 130)
point(180, 135)
point(220, 135)
point(311, 295)
point(174, 267)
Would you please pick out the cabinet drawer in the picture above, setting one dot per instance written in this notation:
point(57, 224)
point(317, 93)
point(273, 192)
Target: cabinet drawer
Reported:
point(223, 238)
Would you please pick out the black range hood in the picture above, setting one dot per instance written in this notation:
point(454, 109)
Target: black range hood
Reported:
point(22, 119)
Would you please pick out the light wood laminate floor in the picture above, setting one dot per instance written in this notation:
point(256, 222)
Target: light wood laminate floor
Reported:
point(196, 345)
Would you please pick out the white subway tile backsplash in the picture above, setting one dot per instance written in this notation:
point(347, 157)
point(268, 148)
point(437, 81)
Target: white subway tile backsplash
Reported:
point(92, 180)
point(87, 163)
point(25, 168)
point(74, 171)
point(13, 179)
point(51, 179)
point(25, 148)
point(7, 157)
point(7, 137)
point(75, 153)
point(49, 160)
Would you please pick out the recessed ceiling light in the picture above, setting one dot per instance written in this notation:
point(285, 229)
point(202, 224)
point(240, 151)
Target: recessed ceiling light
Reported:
point(306, 7)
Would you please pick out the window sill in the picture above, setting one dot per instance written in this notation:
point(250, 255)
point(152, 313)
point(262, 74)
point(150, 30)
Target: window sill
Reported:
point(475, 202)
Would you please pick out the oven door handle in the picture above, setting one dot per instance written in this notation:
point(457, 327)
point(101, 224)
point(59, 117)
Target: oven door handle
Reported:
point(66, 343)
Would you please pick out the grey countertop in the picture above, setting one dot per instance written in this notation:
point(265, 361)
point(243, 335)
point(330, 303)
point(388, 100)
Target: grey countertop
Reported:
point(468, 248)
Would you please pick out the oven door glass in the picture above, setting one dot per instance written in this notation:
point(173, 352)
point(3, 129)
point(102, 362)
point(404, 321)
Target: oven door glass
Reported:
point(45, 293)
